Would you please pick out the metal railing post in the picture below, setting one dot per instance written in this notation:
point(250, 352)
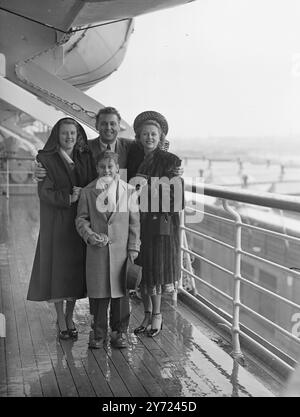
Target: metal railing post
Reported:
point(181, 232)
point(7, 178)
point(188, 263)
point(2, 325)
point(235, 329)
point(181, 219)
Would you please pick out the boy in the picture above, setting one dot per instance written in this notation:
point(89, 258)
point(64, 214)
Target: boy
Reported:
point(111, 229)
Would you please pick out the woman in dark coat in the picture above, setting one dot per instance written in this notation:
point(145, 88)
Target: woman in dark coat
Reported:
point(160, 243)
point(58, 272)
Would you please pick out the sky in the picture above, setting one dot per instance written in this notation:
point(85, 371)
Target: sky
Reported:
point(213, 68)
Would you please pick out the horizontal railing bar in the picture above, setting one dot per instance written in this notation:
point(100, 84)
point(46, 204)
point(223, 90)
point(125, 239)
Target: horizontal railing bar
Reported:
point(20, 185)
point(247, 308)
point(200, 303)
point(226, 245)
point(249, 226)
point(250, 283)
point(275, 265)
point(271, 293)
point(271, 232)
point(233, 160)
point(248, 161)
point(242, 305)
point(273, 181)
point(207, 284)
point(16, 172)
point(241, 332)
point(271, 323)
point(273, 200)
point(264, 349)
point(270, 181)
point(12, 158)
point(220, 218)
point(207, 261)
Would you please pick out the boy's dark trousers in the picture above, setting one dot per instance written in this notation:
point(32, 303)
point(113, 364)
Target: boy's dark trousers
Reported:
point(119, 315)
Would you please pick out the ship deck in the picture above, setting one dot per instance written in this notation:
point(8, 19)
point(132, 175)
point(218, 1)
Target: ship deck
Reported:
point(184, 360)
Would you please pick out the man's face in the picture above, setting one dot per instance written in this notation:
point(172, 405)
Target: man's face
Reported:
point(108, 126)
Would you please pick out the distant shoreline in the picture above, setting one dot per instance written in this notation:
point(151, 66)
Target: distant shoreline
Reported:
point(281, 149)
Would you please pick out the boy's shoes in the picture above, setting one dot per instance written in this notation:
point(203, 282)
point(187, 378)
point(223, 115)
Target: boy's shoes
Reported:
point(120, 341)
point(96, 343)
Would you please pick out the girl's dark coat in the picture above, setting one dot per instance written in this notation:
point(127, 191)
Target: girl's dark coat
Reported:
point(59, 264)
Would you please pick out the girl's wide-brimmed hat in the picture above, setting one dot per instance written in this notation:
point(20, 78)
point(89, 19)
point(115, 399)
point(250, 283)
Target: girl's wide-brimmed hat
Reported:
point(150, 115)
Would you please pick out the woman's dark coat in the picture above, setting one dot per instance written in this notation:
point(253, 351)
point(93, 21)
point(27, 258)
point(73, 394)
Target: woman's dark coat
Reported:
point(160, 242)
point(59, 264)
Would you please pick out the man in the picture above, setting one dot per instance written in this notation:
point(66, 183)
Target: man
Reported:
point(108, 122)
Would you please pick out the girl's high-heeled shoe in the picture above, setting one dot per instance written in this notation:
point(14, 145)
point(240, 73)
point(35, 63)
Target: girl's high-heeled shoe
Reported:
point(73, 332)
point(156, 325)
point(145, 323)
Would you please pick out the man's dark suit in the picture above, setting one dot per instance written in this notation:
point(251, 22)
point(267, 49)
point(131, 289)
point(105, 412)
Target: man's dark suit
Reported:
point(121, 309)
point(122, 149)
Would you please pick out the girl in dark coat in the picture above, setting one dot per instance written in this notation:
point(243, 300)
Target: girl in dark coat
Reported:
point(160, 243)
point(58, 272)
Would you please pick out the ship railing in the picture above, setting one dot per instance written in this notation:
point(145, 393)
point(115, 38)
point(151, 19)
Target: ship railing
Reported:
point(231, 198)
point(8, 172)
point(245, 177)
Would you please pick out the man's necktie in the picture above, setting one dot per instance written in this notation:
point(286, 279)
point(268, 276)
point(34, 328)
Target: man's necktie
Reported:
point(108, 147)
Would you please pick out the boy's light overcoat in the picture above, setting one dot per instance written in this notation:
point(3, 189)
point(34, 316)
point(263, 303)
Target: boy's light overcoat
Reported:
point(105, 266)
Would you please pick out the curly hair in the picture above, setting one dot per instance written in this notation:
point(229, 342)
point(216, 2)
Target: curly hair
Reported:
point(107, 155)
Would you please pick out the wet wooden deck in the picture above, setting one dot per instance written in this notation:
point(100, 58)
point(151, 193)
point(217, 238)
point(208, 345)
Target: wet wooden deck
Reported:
point(180, 362)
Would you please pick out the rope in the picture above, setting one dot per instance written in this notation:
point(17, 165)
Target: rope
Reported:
point(60, 30)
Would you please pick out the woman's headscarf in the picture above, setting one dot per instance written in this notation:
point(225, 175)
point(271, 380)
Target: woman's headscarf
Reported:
point(52, 144)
